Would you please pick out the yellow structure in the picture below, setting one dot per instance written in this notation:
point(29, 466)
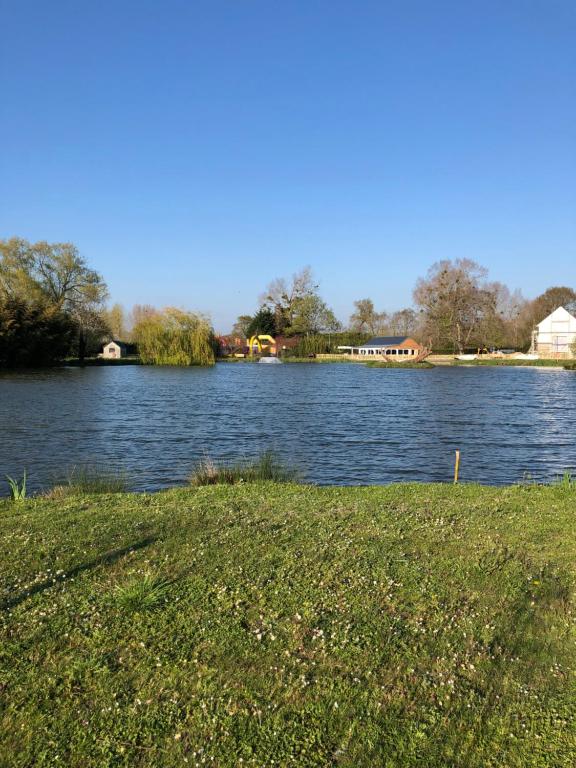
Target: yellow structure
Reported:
point(261, 343)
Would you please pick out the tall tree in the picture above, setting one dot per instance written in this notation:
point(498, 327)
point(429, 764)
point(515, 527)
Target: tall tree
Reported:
point(263, 323)
point(54, 273)
point(241, 326)
point(116, 321)
point(312, 315)
point(456, 303)
point(551, 299)
point(365, 319)
point(283, 296)
point(404, 323)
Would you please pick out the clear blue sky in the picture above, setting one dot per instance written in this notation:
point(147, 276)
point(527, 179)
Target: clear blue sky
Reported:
point(195, 149)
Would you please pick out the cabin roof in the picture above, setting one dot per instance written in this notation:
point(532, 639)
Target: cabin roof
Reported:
point(385, 341)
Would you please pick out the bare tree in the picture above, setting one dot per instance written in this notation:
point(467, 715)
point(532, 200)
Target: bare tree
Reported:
point(284, 296)
point(456, 303)
point(366, 320)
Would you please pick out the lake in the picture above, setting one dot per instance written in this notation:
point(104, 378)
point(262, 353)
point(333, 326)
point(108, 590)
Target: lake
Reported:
point(337, 423)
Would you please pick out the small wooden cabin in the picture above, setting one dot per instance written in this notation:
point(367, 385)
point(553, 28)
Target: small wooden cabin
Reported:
point(114, 350)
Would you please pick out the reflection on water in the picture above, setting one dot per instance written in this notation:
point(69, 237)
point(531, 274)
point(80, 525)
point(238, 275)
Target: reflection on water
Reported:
point(343, 424)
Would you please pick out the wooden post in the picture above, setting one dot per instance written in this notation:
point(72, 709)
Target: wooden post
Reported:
point(456, 467)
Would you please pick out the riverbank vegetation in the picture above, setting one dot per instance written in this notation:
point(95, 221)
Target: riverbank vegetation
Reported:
point(424, 364)
point(267, 466)
point(52, 307)
point(274, 624)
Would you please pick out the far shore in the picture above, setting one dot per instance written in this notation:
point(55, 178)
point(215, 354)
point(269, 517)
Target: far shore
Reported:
point(430, 362)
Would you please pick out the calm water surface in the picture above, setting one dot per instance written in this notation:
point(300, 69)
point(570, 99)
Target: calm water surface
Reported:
point(341, 424)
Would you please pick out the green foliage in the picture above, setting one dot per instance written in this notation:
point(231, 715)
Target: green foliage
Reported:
point(241, 328)
point(52, 272)
point(17, 489)
point(33, 333)
point(56, 278)
point(567, 482)
point(263, 323)
point(143, 593)
point(267, 467)
point(175, 337)
point(326, 343)
point(312, 315)
point(258, 625)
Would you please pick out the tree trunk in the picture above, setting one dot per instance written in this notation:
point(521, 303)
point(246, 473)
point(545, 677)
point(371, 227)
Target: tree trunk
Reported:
point(81, 345)
point(459, 338)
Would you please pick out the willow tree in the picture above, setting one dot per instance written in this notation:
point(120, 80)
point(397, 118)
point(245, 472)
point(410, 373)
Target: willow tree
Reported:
point(175, 337)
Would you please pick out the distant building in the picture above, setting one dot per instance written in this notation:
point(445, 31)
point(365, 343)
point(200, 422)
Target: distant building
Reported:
point(114, 350)
point(392, 347)
point(555, 335)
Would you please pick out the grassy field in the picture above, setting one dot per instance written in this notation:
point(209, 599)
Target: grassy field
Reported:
point(283, 625)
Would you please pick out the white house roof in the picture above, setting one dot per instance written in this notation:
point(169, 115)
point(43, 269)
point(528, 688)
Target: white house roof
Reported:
point(559, 315)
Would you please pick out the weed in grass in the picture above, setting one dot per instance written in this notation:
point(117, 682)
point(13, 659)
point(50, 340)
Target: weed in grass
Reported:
point(567, 482)
point(266, 467)
point(90, 479)
point(17, 489)
point(142, 594)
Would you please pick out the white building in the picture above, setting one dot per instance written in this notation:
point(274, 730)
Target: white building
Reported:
point(114, 350)
point(555, 335)
point(387, 347)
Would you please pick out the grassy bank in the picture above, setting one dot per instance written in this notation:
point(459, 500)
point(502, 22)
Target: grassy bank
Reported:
point(266, 624)
point(393, 364)
point(98, 361)
point(500, 362)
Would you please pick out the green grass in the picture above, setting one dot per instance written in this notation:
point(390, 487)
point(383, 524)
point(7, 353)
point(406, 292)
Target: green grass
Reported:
point(265, 467)
point(89, 479)
point(98, 361)
point(317, 360)
point(286, 625)
point(512, 363)
point(393, 364)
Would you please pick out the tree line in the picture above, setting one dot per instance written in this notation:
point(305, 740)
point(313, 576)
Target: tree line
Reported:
point(53, 306)
point(456, 307)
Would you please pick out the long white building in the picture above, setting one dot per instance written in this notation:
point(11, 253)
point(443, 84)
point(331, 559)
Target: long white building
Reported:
point(555, 335)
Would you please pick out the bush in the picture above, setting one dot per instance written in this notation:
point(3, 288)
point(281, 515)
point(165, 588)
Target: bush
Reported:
point(33, 334)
